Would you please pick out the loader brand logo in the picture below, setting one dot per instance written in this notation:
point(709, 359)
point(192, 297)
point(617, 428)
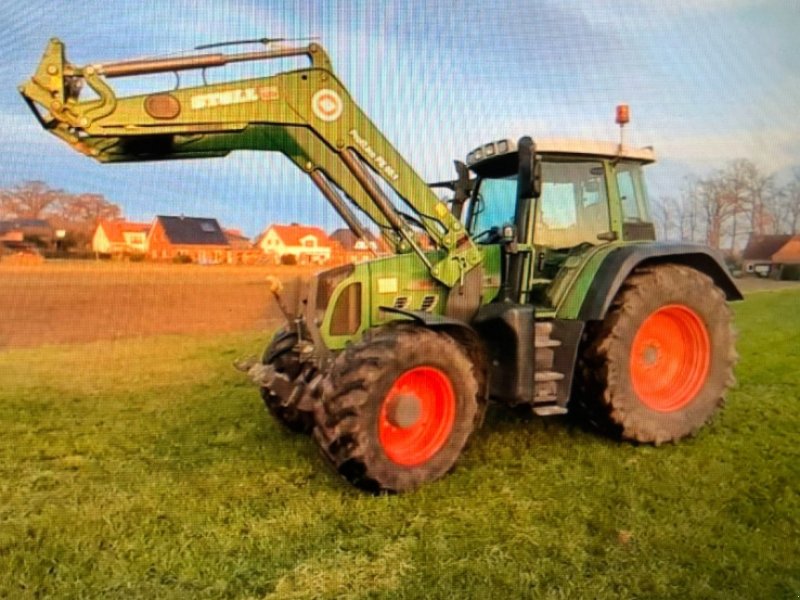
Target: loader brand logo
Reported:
point(327, 105)
point(369, 152)
point(237, 96)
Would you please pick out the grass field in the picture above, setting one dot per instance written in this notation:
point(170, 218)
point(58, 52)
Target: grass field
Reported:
point(144, 468)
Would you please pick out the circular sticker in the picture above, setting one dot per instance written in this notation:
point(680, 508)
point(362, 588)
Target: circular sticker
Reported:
point(327, 105)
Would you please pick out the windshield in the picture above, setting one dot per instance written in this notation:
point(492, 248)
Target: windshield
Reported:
point(572, 209)
point(494, 205)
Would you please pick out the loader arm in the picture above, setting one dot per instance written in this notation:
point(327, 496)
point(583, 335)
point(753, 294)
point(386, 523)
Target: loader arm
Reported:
point(306, 114)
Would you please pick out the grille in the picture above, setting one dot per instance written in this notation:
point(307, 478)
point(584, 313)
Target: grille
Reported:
point(428, 303)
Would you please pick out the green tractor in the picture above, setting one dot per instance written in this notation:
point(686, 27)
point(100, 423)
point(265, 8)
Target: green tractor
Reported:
point(538, 284)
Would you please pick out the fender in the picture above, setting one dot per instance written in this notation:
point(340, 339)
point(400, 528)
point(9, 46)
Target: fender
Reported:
point(431, 320)
point(618, 264)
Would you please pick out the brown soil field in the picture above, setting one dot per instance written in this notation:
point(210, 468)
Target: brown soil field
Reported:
point(80, 301)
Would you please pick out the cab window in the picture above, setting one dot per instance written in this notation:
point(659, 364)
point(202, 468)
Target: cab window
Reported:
point(632, 196)
point(573, 207)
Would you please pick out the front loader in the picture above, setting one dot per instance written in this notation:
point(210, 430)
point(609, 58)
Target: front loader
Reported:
point(539, 284)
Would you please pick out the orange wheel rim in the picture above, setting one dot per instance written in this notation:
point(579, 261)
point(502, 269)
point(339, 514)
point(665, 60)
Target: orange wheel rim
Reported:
point(670, 358)
point(431, 393)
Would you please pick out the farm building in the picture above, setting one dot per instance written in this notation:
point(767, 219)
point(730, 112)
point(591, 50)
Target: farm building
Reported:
point(759, 254)
point(120, 238)
point(200, 240)
point(307, 244)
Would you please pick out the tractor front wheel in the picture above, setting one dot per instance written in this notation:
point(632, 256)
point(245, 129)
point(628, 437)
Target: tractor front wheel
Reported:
point(397, 408)
point(660, 363)
point(282, 356)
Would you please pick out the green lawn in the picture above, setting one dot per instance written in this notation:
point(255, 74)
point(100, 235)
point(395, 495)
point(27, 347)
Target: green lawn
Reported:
point(148, 468)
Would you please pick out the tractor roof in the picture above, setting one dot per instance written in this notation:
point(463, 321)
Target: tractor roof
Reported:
point(489, 153)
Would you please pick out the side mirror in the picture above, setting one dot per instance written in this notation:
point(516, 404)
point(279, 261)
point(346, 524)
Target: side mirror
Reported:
point(462, 188)
point(529, 173)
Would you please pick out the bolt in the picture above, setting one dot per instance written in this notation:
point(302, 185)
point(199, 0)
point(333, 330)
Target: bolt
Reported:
point(55, 105)
point(52, 69)
point(84, 122)
point(90, 70)
point(309, 166)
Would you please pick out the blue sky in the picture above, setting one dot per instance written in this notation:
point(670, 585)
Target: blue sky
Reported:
point(707, 82)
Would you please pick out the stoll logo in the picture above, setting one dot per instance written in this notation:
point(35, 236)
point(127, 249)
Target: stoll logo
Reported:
point(237, 96)
point(327, 105)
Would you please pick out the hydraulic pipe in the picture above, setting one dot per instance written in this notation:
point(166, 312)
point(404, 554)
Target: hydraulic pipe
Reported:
point(344, 211)
point(351, 160)
point(168, 65)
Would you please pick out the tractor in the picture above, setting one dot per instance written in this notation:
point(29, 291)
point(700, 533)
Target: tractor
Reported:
point(536, 282)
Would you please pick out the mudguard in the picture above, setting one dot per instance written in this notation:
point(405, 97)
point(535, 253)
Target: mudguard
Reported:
point(621, 261)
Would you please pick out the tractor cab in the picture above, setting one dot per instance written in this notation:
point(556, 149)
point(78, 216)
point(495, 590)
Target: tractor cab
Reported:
point(590, 194)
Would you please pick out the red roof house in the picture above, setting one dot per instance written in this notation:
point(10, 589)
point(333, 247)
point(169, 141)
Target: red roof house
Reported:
point(789, 253)
point(352, 249)
point(120, 237)
point(308, 244)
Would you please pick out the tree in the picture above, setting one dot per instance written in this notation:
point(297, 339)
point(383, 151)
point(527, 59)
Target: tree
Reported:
point(86, 210)
point(29, 200)
point(786, 206)
point(667, 216)
point(76, 213)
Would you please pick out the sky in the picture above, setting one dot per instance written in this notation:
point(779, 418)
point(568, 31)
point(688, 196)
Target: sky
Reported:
point(706, 82)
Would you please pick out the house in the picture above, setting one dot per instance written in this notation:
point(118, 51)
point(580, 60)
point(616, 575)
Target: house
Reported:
point(241, 251)
point(787, 260)
point(120, 238)
point(307, 244)
point(353, 249)
point(789, 253)
point(197, 239)
point(758, 254)
point(36, 231)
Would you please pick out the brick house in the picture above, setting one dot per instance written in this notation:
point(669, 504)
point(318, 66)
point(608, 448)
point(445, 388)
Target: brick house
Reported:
point(201, 240)
point(308, 244)
point(119, 238)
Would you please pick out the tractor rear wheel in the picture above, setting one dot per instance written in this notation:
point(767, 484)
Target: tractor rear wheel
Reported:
point(281, 354)
point(397, 408)
point(662, 359)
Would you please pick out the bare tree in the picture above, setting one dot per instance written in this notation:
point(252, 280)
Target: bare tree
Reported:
point(668, 216)
point(786, 206)
point(76, 213)
point(87, 209)
point(30, 200)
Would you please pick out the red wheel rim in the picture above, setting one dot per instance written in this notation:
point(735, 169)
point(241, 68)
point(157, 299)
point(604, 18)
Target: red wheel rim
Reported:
point(436, 401)
point(670, 357)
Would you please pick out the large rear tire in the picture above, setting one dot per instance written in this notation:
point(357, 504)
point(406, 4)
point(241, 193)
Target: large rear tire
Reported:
point(397, 408)
point(657, 368)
